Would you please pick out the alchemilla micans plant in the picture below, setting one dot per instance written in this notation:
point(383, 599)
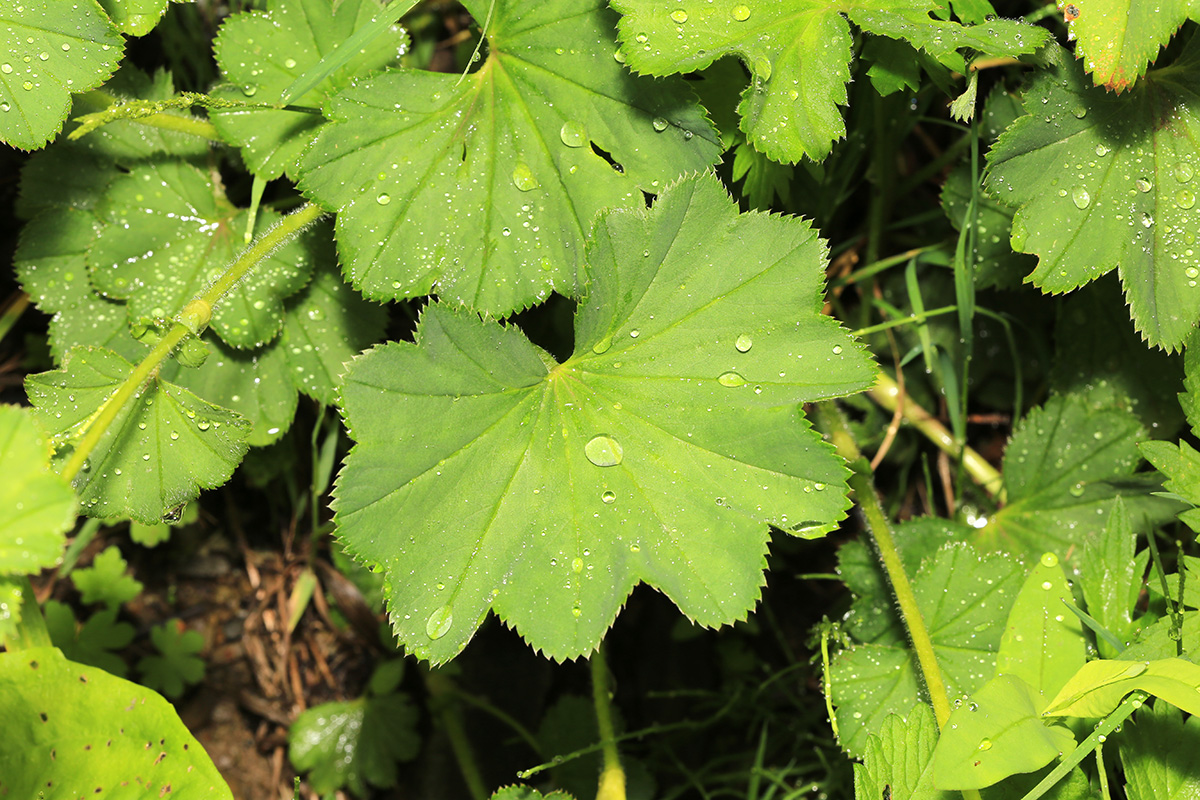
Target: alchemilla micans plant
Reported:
point(621, 294)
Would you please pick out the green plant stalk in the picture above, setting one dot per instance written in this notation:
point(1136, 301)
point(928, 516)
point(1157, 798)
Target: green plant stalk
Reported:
point(445, 708)
point(191, 320)
point(831, 421)
point(1107, 725)
point(612, 775)
point(12, 312)
point(887, 394)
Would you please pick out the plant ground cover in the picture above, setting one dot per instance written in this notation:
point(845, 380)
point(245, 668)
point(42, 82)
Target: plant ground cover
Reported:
point(599, 399)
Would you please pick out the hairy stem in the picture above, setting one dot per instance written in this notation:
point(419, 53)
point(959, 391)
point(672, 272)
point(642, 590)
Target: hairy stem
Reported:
point(612, 775)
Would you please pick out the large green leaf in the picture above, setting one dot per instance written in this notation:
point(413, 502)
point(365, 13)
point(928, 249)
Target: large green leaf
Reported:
point(1064, 467)
point(160, 451)
point(1180, 464)
point(38, 505)
point(482, 188)
point(262, 54)
point(964, 599)
point(799, 53)
point(1104, 181)
point(1100, 685)
point(1110, 577)
point(658, 452)
point(75, 731)
point(50, 50)
point(1117, 39)
point(170, 233)
point(1158, 754)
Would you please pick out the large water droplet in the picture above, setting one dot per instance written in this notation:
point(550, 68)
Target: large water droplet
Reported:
point(740, 12)
point(604, 451)
point(743, 343)
point(985, 744)
point(660, 124)
point(1080, 197)
point(1184, 172)
point(1143, 185)
point(731, 379)
point(608, 497)
point(6, 69)
point(679, 15)
point(439, 622)
point(603, 345)
point(1185, 198)
point(383, 199)
point(522, 177)
point(1049, 560)
point(577, 565)
point(573, 134)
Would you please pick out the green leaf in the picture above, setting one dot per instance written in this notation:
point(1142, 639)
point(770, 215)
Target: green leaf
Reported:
point(897, 759)
point(178, 665)
point(262, 54)
point(92, 642)
point(354, 743)
point(526, 793)
point(1114, 369)
point(799, 53)
point(256, 384)
point(1189, 398)
point(160, 451)
point(1104, 181)
point(1063, 469)
point(1110, 576)
point(995, 734)
point(73, 731)
point(51, 51)
point(764, 178)
point(1191, 584)
point(183, 235)
point(135, 17)
point(895, 66)
point(324, 326)
point(51, 262)
point(39, 506)
point(1099, 686)
point(1043, 642)
point(659, 452)
point(74, 174)
point(965, 599)
point(1181, 466)
point(1160, 640)
point(1158, 754)
point(105, 580)
point(495, 173)
point(12, 594)
point(1117, 39)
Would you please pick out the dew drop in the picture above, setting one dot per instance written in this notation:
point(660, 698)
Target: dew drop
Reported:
point(439, 622)
point(608, 497)
point(577, 565)
point(522, 177)
point(577, 611)
point(383, 199)
point(1076, 489)
point(203, 424)
point(290, 63)
point(743, 343)
point(1143, 185)
point(679, 15)
point(1049, 560)
point(731, 379)
point(604, 451)
point(740, 12)
point(249, 90)
point(619, 56)
point(1080, 197)
point(660, 124)
point(1183, 171)
point(986, 744)
point(602, 346)
point(837, 349)
point(1185, 198)
point(1147, 220)
point(573, 134)
point(6, 69)
point(1079, 111)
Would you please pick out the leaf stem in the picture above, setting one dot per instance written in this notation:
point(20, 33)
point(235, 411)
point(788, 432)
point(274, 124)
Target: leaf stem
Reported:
point(192, 320)
point(444, 706)
point(888, 395)
point(11, 311)
point(612, 775)
point(830, 420)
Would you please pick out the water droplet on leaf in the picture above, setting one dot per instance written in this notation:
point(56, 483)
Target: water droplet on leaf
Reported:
point(1080, 197)
point(731, 379)
point(740, 12)
point(743, 343)
point(522, 177)
point(439, 622)
point(604, 451)
point(573, 134)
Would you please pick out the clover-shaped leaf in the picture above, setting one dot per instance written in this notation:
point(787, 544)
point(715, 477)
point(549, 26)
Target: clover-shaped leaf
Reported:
point(177, 665)
point(262, 54)
point(659, 452)
point(92, 642)
point(162, 448)
point(496, 176)
point(964, 598)
point(170, 233)
point(50, 51)
point(799, 53)
point(105, 580)
point(1105, 182)
point(39, 505)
